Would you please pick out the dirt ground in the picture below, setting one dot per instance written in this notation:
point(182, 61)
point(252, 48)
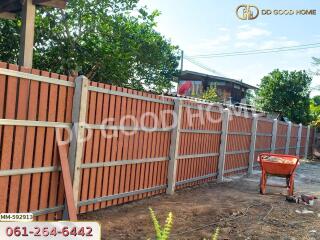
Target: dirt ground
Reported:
point(235, 206)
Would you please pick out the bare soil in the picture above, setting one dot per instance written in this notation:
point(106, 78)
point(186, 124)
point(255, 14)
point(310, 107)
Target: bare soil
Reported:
point(236, 207)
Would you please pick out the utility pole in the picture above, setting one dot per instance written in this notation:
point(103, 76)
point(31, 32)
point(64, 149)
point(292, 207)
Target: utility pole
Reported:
point(182, 56)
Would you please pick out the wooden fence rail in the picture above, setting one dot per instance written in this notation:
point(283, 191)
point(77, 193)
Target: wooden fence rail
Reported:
point(134, 148)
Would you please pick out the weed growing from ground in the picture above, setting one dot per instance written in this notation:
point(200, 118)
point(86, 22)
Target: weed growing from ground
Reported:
point(162, 233)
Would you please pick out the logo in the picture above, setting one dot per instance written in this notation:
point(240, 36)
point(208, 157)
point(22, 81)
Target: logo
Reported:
point(247, 12)
point(251, 12)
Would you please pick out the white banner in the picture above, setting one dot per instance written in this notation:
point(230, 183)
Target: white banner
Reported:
point(50, 230)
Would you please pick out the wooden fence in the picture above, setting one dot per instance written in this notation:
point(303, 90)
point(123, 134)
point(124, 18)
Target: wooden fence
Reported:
point(125, 167)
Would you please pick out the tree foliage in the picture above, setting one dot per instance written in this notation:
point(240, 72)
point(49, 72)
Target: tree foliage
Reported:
point(111, 41)
point(251, 96)
point(211, 94)
point(315, 110)
point(316, 63)
point(286, 93)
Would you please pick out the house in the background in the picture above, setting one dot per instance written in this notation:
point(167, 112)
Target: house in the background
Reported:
point(195, 84)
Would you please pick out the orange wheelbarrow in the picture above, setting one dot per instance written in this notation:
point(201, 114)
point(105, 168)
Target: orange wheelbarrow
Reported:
point(279, 165)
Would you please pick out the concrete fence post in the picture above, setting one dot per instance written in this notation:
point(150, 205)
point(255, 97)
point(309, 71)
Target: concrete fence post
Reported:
point(306, 147)
point(174, 147)
point(299, 140)
point(79, 111)
point(253, 143)
point(223, 143)
point(274, 135)
point(288, 138)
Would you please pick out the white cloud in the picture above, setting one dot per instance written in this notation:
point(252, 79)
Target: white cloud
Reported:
point(224, 29)
point(219, 43)
point(247, 32)
point(266, 44)
point(222, 39)
point(247, 45)
point(277, 43)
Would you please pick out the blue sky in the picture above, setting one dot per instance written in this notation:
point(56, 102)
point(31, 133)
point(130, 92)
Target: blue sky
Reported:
point(211, 26)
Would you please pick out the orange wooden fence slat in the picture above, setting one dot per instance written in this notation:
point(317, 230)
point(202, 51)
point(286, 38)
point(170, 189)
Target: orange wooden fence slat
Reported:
point(133, 147)
point(19, 143)
point(30, 144)
point(39, 146)
point(123, 147)
point(8, 135)
point(2, 98)
point(95, 148)
point(127, 152)
point(108, 109)
point(48, 146)
point(102, 143)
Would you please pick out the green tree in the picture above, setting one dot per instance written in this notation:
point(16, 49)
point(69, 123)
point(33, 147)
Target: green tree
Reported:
point(286, 93)
point(251, 97)
point(316, 62)
point(211, 94)
point(111, 41)
point(315, 109)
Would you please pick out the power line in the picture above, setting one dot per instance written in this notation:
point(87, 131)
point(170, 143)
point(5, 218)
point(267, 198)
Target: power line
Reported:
point(202, 66)
point(260, 50)
point(257, 51)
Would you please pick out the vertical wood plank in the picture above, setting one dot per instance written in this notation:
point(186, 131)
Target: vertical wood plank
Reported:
point(49, 145)
point(299, 141)
point(133, 146)
point(56, 194)
point(139, 151)
point(19, 142)
point(115, 171)
point(148, 143)
point(108, 111)
point(115, 102)
point(8, 133)
point(127, 152)
point(306, 148)
point(102, 145)
point(288, 140)
point(40, 146)
point(120, 170)
point(2, 98)
point(30, 143)
point(96, 145)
